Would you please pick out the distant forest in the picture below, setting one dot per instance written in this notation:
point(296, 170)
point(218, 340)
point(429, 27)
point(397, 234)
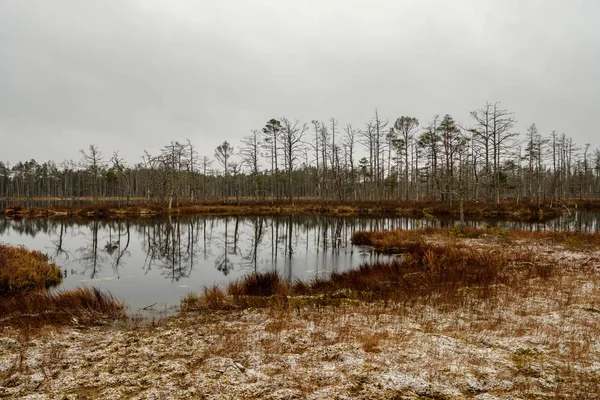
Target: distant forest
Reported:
point(287, 159)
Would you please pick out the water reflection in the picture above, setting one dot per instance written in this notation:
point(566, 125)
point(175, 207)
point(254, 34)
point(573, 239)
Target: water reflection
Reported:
point(169, 247)
point(88, 255)
point(251, 255)
point(158, 261)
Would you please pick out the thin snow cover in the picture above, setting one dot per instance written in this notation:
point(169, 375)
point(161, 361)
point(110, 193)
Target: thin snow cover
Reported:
point(536, 340)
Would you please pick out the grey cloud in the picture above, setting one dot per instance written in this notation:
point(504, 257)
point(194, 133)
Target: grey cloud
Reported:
point(134, 75)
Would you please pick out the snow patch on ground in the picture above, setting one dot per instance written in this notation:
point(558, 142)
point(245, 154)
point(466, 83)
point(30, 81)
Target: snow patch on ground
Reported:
point(537, 342)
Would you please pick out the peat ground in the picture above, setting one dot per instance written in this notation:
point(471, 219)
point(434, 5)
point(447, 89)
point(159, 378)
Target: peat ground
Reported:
point(463, 314)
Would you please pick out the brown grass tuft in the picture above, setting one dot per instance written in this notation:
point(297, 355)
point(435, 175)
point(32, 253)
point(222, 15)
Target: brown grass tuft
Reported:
point(81, 306)
point(257, 284)
point(445, 270)
point(22, 269)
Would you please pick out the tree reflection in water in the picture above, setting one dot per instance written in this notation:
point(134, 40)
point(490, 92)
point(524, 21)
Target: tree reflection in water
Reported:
point(223, 261)
point(214, 249)
point(89, 256)
point(59, 251)
point(113, 246)
point(251, 257)
point(170, 245)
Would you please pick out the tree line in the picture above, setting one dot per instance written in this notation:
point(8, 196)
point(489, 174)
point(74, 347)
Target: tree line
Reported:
point(285, 160)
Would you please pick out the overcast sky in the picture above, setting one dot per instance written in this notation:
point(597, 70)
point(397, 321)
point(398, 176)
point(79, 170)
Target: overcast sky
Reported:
point(134, 75)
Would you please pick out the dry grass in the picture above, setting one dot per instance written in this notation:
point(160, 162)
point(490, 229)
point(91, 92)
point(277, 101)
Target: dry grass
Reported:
point(533, 337)
point(304, 206)
point(22, 269)
point(81, 306)
point(257, 284)
point(435, 266)
point(465, 315)
point(399, 239)
point(25, 277)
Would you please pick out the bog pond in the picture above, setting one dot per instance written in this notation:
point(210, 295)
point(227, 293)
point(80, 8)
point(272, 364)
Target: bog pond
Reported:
point(152, 264)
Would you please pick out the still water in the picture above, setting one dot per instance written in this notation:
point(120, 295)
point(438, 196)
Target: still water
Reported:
point(152, 264)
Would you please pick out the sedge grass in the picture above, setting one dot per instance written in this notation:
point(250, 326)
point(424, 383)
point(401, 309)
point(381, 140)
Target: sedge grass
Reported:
point(441, 270)
point(25, 276)
point(81, 306)
point(22, 269)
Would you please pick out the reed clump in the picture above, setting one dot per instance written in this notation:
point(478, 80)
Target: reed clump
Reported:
point(390, 240)
point(25, 276)
point(440, 271)
point(81, 306)
point(22, 269)
point(257, 284)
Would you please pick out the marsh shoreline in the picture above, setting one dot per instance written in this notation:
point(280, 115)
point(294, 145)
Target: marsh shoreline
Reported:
point(531, 337)
point(114, 208)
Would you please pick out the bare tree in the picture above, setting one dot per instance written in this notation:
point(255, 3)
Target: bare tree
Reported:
point(368, 140)
point(317, 127)
point(235, 172)
point(453, 143)
point(93, 163)
point(429, 141)
point(493, 132)
point(405, 129)
point(118, 164)
point(223, 154)
point(173, 161)
point(271, 131)
point(192, 166)
point(324, 137)
point(205, 163)
point(534, 152)
point(250, 153)
point(291, 133)
point(350, 143)
point(335, 168)
point(379, 126)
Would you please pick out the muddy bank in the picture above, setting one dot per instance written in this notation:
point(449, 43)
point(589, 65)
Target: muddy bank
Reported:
point(473, 210)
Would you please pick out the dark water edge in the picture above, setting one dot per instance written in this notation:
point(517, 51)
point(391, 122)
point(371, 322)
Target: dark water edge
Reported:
point(67, 202)
point(139, 207)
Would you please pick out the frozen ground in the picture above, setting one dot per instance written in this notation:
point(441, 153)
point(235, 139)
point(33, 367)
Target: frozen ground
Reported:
point(539, 340)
